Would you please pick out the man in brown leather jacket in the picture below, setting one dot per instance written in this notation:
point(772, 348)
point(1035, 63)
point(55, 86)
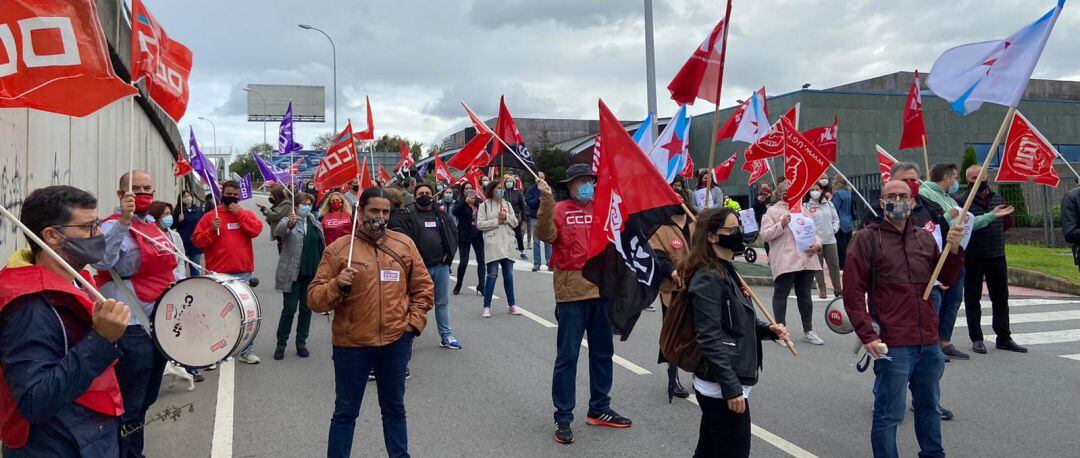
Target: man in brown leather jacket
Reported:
point(380, 302)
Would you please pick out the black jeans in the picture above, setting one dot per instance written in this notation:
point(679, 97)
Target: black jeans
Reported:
point(802, 281)
point(842, 239)
point(519, 235)
point(723, 433)
point(463, 262)
point(996, 273)
point(138, 372)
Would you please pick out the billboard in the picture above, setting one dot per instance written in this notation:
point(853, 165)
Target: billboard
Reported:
point(267, 102)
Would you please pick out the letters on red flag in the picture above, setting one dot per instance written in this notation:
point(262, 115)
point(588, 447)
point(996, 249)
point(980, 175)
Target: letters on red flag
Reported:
point(824, 139)
point(165, 63)
point(803, 163)
point(339, 166)
point(723, 171)
point(772, 144)
point(914, 128)
point(1028, 155)
point(885, 163)
point(702, 74)
point(53, 57)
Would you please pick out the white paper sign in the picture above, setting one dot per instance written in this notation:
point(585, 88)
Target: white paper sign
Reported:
point(802, 227)
point(748, 220)
point(969, 226)
point(391, 275)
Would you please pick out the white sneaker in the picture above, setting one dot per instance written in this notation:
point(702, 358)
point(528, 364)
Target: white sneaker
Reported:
point(513, 310)
point(249, 358)
point(487, 312)
point(811, 337)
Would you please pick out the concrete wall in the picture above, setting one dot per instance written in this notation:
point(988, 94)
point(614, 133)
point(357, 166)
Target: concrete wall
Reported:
point(40, 149)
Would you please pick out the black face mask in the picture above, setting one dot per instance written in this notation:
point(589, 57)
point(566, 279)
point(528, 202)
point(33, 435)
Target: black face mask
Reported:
point(984, 188)
point(81, 252)
point(732, 241)
point(229, 200)
point(423, 201)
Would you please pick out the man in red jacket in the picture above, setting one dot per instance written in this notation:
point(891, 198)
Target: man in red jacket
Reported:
point(892, 261)
point(225, 236)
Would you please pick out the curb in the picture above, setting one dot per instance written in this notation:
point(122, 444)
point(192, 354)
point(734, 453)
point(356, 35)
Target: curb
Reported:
point(1038, 280)
point(759, 281)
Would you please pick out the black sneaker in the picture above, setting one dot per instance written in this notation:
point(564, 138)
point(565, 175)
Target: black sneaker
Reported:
point(563, 433)
point(952, 352)
point(302, 351)
point(279, 353)
point(609, 418)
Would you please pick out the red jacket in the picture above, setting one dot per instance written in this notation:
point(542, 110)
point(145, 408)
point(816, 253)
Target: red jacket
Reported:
point(566, 227)
point(336, 225)
point(903, 263)
point(230, 252)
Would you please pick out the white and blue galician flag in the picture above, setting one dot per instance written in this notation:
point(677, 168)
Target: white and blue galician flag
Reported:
point(755, 120)
point(644, 135)
point(995, 71)
point(671, 149)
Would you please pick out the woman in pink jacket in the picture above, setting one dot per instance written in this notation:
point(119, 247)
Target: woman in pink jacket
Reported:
point(790, 267)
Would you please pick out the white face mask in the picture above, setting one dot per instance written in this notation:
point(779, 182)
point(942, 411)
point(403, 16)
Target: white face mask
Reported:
point(815, 195)
point(823, 182)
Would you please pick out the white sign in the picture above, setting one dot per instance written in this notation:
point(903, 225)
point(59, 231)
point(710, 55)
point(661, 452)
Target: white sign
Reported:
point(802, 227)
point(748, 220)
point(969, 227)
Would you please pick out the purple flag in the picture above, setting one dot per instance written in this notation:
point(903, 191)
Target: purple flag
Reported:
point(286, 145)
point(245, 188)
point(423, 171)
point(269, 172)
point(202, 166)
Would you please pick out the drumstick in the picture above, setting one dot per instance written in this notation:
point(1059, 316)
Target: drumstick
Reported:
point(172, 250)
point(41, 243)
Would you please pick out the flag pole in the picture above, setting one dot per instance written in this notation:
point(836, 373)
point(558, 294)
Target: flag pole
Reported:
point(971, 196)
point(56, 257)
point(853, 188)
point(716, 108)
point(1067, 164)
point(131, 146)
point(926, 157)
point(213, 197)
point(512, 151)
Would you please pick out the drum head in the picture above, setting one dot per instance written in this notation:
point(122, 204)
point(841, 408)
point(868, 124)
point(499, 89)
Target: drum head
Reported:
point(198, 322)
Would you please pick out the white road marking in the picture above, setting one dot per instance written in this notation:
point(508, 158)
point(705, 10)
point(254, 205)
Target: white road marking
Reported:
point(1040, 338)
point(222, 444)
point(473, 288)
point(623, 362)
point(1041, 317)
point(520, 265)
point(772, 439)
point(985, 303)
point(537, 318)
point(1076, 356)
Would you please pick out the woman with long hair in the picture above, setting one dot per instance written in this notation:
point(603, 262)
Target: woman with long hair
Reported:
point(728, 333)
point(496, 218)
point(826, 223)
point(841, 200)
point(335, 215)
point(186, 216)
point(468, 236)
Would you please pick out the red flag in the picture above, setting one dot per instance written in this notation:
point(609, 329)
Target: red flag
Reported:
point(369, 132)
point(1027, 155)
point(723, 171)
point(441, 172)
point(702, 74)
point(473, 176)
point(885, 163)
point(182, 167)
point(508, 132)
point(597, 148)
point(757, 169)
point(384, 176)
point(914, 128)
point(632, 201)
point(165, 63)
point(824, 139)
point(72, 75)
point(772, 143)
point(793, 115)
point(688, 170)
point(406, 159)
point(732, 124)
point(469, 154)
point(365, 177)
point(339, 166)
point(803, 163)
point(477, 123)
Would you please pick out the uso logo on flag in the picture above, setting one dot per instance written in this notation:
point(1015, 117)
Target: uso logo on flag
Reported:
point(677, 244)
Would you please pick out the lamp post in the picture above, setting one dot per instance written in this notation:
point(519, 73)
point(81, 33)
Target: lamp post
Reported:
point(650, 64)
point(333, 49)
point(264, 110)
point(214, 127)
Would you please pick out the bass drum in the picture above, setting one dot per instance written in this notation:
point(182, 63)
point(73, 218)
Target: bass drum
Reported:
point(203, 320)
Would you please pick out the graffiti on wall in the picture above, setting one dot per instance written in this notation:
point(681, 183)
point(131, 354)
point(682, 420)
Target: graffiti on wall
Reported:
point(11, 195)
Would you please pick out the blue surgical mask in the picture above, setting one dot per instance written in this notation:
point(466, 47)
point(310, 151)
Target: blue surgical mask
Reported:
point(509, 185)
point(954, 188)
point(448, 197)
point(499, 193)
point(166, 221)
point(440, 187)
point(585, 192)
point(150, 218)
point(303, 210)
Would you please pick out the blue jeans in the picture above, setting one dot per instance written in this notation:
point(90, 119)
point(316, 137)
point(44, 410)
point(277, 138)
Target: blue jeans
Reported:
point(244, 277)
point(351, 367)
point(138, 373)
point(440, 275)
point(493, 276)
point(950, 308)
point(918, 368)
point(536, 246)
point(197, 259)
point(577, 319)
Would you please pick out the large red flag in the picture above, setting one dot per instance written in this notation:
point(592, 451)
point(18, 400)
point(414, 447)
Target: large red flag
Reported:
point(1027, 155)
point(365, 177)
point(477, 123)
point(914, 127)
point(406, 160)
point(384, 176)
point(165, 63)
point(723, 171)
point(441, 172)
point(772, 143)
point(66, 67)
point(470, 153)
point(339, 166)
point(369, 132)
point(507, 130)
point(803, 163)
point(885, 163)
point(632, 201)
point(702, 74)
point(824, 139)
point(757, 169)
point(732, 124)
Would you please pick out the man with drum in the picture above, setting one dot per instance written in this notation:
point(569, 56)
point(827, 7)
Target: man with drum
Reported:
point(146, 269)
point(376, 283)
point(58, 390)
point(225, 235)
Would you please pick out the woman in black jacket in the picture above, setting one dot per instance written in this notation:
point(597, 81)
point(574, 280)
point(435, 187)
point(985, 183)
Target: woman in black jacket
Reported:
point(468, 236)
point(728, 334)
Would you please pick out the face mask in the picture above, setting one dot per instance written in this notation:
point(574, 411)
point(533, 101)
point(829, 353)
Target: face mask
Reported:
point(499, 193)
point(470, 193)
point(150, 219)
point(423, 201)
point(375, 227)
point(585, 192)
point(823, 183)
point(732, 241)
point(335, 206)
point(913, 185)
point(303, 210)
point(84, 251)
point(448, 197)
point(143, 201)
point(483, 184)
point(954, 188)
point(229, 200)
point(166, 221)
point(898, 211)
point(440, 187)
point(984, 187)
point(815, 195)
point(187, 200)
point(509, 185)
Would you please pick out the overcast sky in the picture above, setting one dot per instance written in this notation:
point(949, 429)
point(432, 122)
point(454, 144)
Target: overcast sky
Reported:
point(555, 58)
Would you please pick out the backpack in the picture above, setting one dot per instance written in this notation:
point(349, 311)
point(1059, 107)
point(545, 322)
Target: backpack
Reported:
point(678, 340)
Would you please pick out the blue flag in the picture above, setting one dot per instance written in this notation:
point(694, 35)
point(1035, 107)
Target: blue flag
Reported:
point(202, 166)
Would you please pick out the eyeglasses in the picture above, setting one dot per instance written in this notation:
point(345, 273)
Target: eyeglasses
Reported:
point(896, 197)
point(92, 226)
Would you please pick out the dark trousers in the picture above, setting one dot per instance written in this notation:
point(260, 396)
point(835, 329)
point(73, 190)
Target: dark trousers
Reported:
point(295, 301)
point(995, 272)
point(138, 372)
point(802, 281)
point(463, 262)
point(519, 234)
point(351, 368)
point(577, 319)
point(723, 433)
point(842, 239)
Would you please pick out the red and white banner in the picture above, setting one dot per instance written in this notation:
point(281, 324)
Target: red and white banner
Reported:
point(914, 127)
point(803, 163)
point(384, 176)
point(703, 73)
point(406, 160)
point(772, 143)
point(732, 124)
point(53, 57)
point(339, 166)
point(442, 173)
point(472, 153)
point(165, 63)
point(885, 163)
point(824, 139)
point(723, 171)
point(1028, 155)
point(688, 171)
point(757, 169)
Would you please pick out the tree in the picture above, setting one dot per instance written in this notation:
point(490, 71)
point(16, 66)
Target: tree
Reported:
point(323, 141)
point(551, 161)
point(245, 164)
point(968, 160)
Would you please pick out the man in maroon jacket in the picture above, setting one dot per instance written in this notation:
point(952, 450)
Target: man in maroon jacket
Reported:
point(892, 261)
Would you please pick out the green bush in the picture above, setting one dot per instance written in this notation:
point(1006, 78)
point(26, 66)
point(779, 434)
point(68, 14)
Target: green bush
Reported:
point(968, 160)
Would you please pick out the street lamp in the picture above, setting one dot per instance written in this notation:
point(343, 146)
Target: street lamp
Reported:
point(334, 50)
point(806, 86)
point(214, 127)
point(264, 110)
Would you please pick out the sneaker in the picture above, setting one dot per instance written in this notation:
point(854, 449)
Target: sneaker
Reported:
point(279, 353)
point(811, 337)
point(198, 376)
point(650, 309)
point(523, 257)
point(536, 268)
point(302, 351)
point(249, 358)
point(513, 310)
point(609, 418)
point(451, 343)
point(211, 367)
point(563, 433)
point(952, 352)
point(487, 312)
point(371, 375)
point(408, 375)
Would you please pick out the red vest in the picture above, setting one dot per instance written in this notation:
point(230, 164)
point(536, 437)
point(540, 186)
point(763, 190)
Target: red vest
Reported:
point(573, 222)
point(103, 395)
point(156, 268)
